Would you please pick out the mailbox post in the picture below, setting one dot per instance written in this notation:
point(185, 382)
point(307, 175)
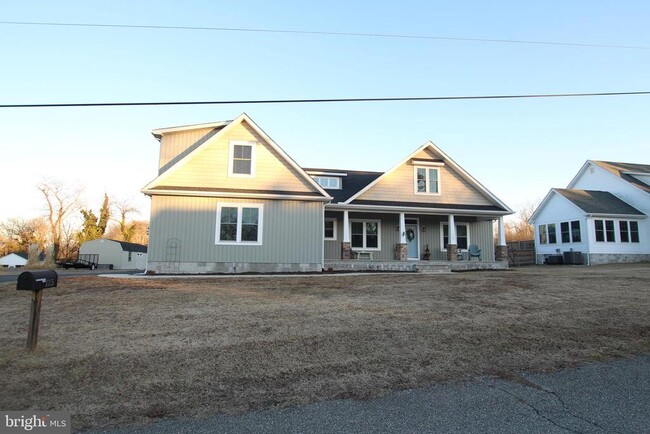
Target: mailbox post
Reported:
point(35, 281)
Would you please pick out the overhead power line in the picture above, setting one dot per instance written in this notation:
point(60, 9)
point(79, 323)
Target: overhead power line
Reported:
point(323, 33)
point(320, 100)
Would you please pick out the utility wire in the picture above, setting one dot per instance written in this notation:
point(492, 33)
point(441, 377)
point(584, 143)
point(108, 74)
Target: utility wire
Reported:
point(323, 33)
point(321, 100)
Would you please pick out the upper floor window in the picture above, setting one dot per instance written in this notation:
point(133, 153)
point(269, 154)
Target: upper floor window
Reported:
point(331, 182)
point(427, 180)
point(242, 159)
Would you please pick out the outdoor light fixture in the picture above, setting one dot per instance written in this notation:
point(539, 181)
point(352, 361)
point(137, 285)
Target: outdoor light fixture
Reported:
point(424, 228)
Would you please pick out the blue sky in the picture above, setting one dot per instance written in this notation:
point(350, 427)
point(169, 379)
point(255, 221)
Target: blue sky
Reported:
point(517, 148)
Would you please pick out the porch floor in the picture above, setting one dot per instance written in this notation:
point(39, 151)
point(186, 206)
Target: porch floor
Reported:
point(412, 266)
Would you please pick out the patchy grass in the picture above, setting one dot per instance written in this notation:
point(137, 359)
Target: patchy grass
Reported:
point(118, 351)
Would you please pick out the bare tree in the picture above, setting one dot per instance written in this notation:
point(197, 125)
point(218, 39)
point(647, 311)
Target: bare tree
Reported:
point(17, 234)
point(60, 202)
point(520, 229)
point(127, 228)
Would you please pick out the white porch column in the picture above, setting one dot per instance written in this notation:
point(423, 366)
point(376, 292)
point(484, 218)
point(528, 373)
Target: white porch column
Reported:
point(402, 228)
point(502, 232)
point(346, 227)
point(452, 230)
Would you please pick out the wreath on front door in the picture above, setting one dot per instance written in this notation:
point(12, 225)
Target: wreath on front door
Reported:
point(410, 234)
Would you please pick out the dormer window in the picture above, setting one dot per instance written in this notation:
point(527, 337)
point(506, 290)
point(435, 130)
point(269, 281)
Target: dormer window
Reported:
point(329, 182)
point(427, 180)
point(242, 159)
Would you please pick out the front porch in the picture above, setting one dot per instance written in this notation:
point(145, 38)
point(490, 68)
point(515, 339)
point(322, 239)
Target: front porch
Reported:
point(413, 266)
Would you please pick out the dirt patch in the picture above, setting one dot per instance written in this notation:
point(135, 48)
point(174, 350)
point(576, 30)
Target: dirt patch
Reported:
point(118, 351)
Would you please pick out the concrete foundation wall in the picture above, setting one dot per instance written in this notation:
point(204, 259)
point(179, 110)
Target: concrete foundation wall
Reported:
point(229, 268)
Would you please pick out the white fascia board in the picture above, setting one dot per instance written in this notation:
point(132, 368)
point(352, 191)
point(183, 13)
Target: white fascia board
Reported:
point(280, 151)
point(449, 161)
point(319, 172)
point(618, 216)
point(579, 174)
point(412, 210)
point(233, 195)
point(533, 217)
point(221, 133)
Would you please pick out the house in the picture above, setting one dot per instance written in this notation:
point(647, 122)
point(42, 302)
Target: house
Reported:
point(118, 255)
point(13, 260)
point(228, 199)
point(602, 214)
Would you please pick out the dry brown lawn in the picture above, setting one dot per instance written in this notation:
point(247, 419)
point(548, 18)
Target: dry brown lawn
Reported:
point(125, 351)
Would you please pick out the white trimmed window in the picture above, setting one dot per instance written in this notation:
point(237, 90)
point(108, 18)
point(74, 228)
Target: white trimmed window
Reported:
point(605, 231)
point(239, 224)
point(241, 160)
point(427, 180)
point(365, 234)
point(330, 182)
point(330, 229)
point(462, 236)
point(628, 231)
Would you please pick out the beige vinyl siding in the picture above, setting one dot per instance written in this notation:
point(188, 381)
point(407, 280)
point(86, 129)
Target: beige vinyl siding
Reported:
point(173, 144)
point(292, 231)
point(399, 186)
point(208, 167)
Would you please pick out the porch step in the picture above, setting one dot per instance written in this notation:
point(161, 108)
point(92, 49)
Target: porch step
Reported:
point(433, 268)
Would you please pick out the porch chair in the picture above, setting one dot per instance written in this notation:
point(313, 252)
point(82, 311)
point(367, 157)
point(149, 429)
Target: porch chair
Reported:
point(474, 251)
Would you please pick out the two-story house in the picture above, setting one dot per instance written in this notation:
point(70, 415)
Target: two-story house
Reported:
point(602, 214)
point(228, 199)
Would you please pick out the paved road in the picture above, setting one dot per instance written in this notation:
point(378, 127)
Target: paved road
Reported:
point(12, 276)
point(611, 397)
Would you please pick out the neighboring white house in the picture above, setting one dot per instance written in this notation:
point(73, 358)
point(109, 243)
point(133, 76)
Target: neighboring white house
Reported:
point(602, 214)
point(118, 254)
point(13, 260)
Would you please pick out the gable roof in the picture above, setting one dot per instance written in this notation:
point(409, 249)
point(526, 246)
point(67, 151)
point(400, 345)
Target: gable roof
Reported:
point(598, 202)
point(223, 128)
point(626, 171)
point(352, 182)
point(459, 170)
point(132, 247)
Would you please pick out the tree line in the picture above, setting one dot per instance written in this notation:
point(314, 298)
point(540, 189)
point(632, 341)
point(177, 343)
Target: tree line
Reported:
point(66, 223)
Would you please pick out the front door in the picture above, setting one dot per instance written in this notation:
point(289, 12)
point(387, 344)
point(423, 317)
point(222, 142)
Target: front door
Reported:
point(412, 239)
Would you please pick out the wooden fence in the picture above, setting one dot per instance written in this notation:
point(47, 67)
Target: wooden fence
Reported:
point(521, 253)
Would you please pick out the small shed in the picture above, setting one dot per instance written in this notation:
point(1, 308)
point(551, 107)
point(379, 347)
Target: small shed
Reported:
point(13, 260)
point(118, 255)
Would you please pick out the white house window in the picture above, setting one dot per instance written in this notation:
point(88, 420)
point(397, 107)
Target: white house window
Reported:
point(542, 234)
point(427, 180)
point(576, 236)
point(570, 231)
point(604, 230)
point(552, 237)
point(242, 159)
point(629, 231)
point(330, 229)
point(462, 236)
point(364, 234)
point(330, 182)
point(239, 224)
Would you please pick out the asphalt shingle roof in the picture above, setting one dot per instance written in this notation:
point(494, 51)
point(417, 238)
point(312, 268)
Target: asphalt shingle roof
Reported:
point(619, 170)
point(598, 202)
point(351, 184)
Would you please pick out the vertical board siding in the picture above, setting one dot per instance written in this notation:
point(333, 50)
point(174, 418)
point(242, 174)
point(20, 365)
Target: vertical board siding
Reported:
point(481, 233)
point(292, 231)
